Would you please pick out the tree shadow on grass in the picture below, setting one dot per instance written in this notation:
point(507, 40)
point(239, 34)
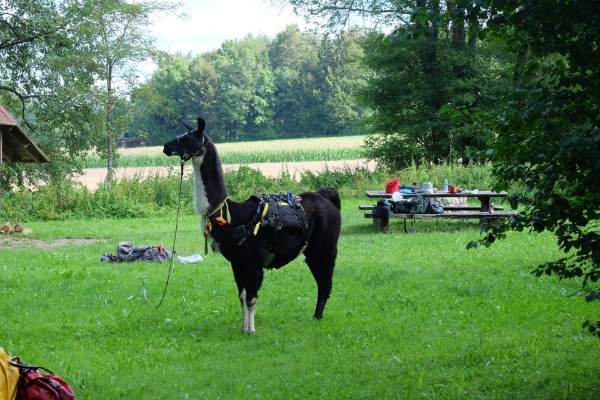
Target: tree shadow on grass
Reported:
point(409, 226)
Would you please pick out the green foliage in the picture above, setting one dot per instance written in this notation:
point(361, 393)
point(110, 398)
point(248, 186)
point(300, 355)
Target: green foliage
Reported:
point(548, 135)
point(157, 103)
point(296, 85)
point(40, 42)
point(418, 69)
point(61, 60)
point(141, 196)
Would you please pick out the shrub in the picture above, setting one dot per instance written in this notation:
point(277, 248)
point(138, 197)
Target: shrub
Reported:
point(146, 196)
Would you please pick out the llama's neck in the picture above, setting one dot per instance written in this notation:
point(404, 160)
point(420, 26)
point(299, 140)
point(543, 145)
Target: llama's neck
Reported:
point(209, 183)
point(200, 198)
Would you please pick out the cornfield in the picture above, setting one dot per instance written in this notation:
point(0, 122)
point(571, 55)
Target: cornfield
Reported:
point(291, 150)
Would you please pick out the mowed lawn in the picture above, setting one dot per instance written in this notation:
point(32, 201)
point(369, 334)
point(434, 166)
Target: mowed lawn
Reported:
point(411, 316)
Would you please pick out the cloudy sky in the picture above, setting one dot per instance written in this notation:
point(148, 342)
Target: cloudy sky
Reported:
point(211, 22)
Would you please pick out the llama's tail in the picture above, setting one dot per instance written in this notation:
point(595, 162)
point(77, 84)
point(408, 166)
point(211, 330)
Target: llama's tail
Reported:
point(332, 195)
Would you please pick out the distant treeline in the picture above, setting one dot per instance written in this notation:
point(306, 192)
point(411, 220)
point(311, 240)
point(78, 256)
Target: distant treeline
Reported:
point(295, 85)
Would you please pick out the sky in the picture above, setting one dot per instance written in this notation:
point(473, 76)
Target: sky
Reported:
point(211, 22)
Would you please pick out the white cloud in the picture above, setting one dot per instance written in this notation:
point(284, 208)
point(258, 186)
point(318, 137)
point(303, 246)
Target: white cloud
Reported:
point(211, 22)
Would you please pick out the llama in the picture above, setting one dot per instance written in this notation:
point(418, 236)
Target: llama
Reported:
point(235, 228)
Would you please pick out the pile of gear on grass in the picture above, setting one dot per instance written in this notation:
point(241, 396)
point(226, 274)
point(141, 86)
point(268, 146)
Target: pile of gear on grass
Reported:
point(398, 205)
point(127, 252)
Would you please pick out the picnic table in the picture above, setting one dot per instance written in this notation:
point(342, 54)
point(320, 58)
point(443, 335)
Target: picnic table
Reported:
point(484, 196)
point(483, 212)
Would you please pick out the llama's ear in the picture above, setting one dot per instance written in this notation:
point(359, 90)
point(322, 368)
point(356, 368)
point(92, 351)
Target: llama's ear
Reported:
point(188, 126)
point(201, 125)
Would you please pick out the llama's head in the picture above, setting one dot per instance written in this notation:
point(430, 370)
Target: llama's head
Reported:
point(190, 144)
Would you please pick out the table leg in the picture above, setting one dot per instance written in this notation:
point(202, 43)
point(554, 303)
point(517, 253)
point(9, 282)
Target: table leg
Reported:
point(485, 203)
point(381, 224)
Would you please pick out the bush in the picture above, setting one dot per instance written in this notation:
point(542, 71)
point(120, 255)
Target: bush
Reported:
point(146, 196)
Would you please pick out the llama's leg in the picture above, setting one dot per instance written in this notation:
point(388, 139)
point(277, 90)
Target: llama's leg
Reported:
point(322, 271)
point(248, 311)
point(244, 310)
point(248, 285)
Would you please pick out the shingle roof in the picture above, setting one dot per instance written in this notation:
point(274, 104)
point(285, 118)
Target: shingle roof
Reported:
point(16, 145)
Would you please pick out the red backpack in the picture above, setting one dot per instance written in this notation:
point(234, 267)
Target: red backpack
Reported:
point(33, 385)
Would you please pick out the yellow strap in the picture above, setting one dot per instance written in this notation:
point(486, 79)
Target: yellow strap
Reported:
point(219, 210)
point(262, 218)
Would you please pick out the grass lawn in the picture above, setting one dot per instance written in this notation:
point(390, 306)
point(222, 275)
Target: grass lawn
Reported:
point(411, 316)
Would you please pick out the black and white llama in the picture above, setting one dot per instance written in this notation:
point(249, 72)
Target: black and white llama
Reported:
point(235, 227)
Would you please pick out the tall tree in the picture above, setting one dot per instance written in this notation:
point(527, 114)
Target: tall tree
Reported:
point(203, 86)
point(429, 60)
point(548, 131)
point(295, 61)
point(163, 100)
point(67, 64)
point(118, 32)
point(245, 85)
point(298, 84)
point(345, 75)
point(47, 82)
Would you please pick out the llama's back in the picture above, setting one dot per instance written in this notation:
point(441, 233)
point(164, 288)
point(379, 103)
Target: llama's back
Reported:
point(331, 194)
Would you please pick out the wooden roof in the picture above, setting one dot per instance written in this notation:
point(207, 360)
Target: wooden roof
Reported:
point(16, 145)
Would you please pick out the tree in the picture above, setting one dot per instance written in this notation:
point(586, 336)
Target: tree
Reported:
point(202, 88)
point(161, 102)
point(345, 76)
point(40, 43)
point(314, 81)
point(431, 58)
point(333, 15)
point(245, 86)
point(295, 85)
point(548, 133)
point(295, 58)
point(117, 31)
point(68, 65)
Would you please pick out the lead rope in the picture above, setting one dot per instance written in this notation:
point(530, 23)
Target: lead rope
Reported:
point(174, 238)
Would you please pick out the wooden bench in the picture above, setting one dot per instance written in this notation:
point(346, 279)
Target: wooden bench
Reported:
point(481, 213)
point(382, 224)
point(446, 208)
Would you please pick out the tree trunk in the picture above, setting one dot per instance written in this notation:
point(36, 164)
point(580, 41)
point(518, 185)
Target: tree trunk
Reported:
point(109, 128)
point(428, 54)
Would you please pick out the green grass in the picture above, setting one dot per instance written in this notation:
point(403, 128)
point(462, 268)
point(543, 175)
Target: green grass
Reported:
point(411, 316)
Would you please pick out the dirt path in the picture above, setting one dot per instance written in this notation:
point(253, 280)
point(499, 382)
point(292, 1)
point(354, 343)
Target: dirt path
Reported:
point(19, 242)
point(94, 176)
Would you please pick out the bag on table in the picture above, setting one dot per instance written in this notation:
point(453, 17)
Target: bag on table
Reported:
point(34, 385)
point(416, 205)
point(383, 209)
point(392, 185)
